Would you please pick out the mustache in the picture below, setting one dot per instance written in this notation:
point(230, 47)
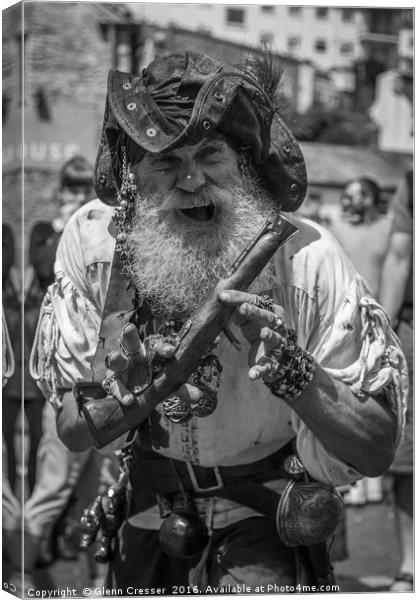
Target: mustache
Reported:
point(208, 195)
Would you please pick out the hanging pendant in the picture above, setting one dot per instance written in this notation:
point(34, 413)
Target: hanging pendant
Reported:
point(207, 377)
point(206, 404)
point(177, 410)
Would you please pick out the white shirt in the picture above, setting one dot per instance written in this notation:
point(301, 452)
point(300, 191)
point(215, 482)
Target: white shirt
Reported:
point(366, 245)
point(325, 301)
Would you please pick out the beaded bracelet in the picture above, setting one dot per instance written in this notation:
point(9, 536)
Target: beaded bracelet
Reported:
point(294, 368)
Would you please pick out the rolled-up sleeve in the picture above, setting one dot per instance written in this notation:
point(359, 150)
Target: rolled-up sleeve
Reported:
point(70, 316)
point(349, 335)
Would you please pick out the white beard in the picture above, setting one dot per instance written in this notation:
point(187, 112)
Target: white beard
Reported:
point(175, 262)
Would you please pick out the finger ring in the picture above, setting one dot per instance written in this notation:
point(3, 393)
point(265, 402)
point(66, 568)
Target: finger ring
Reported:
point(107, 363)
point(126, 352)
point(107, 382)
point(264, 302)
point(176, 410)
point(278, 326)
point(273, 365)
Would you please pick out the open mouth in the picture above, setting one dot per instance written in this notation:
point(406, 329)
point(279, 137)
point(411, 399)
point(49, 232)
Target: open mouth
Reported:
point(199, 213)
point(354, 215)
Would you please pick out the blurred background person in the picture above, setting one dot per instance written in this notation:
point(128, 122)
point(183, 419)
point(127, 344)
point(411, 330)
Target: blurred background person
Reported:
point(12, 393)
point(8, 359)
point(11, 409)
point(75, 188)
point(396, 295)
point(362, 229)
point(11, 507)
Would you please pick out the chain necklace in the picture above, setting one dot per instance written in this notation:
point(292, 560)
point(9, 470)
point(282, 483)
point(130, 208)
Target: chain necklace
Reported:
point(207, 377)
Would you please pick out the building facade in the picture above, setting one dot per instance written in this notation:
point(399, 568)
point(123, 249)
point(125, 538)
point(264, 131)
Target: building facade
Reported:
point(63, 92)
point(327, 36)
point(346, 47)
point(386, 41)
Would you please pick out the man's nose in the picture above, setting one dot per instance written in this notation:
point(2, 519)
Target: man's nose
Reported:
point(190, 178)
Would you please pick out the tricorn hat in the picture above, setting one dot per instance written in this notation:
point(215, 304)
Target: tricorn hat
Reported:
point(184, 97)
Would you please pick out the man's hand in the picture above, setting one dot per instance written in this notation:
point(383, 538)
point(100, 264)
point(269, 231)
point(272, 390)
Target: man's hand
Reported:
point(130, 372)
point(360, 433)
point(261, 327)
point(129, 369)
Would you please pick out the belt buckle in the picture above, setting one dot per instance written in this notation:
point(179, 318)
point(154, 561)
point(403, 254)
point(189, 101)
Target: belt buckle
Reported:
point(219, 485)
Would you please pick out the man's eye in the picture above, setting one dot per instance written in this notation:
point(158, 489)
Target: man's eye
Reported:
point(211, 155)
point(164, 164)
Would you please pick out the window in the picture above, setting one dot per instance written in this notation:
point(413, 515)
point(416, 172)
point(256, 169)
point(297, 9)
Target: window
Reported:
point(346, 49)
point(266, 38)
point(127, 46)
point(321, 12)
point(347, 14)
point(295, 11)
point(320, 46)
point(268, 8)
point(235, 17)
point(293, 43)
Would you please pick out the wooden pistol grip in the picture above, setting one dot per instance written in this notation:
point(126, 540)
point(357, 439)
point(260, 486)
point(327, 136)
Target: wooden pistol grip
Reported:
point(108, 419)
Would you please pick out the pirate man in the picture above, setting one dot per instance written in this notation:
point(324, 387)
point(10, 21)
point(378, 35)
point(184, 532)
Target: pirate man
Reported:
point(231, 475)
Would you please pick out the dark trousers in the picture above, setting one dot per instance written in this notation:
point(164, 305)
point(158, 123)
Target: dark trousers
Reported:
point(246, 553)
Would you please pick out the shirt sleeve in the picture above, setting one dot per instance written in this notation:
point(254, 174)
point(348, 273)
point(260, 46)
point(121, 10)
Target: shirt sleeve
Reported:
point(70, 316)
point(349, 335)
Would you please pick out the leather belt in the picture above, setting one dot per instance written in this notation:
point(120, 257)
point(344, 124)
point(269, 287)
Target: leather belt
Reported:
point(164, 475)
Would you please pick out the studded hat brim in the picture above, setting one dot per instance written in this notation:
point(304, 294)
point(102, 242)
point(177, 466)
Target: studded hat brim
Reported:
point(228, 101)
